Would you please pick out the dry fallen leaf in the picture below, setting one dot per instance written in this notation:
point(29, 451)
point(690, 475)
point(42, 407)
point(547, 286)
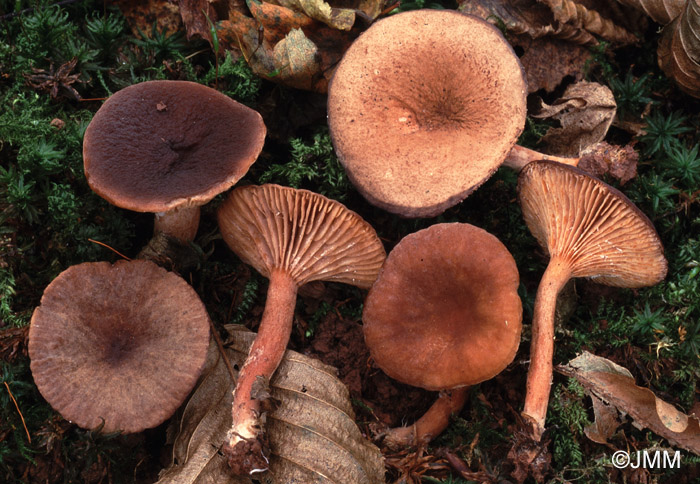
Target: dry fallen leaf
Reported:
point(141, 15)
point(615, 385)
point(548, 61)
point(312, 432)
point(602, 158)
point(679, 49)
point(605, 423)
point(660, 11)
point(564, 19)
point(585, 111)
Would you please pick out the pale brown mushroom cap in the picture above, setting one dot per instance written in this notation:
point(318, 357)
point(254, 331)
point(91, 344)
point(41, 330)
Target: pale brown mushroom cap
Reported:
point(424, 107)
point(159, 145)
point(593, 226)
point(121, 344)
point(445, 310)
point(305, 234)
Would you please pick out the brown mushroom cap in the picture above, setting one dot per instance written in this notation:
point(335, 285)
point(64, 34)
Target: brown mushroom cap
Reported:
point(305, 234)
point(424, 107)
point(445, 311)
point(596, 228)
point(159, 145)
point(118, 344)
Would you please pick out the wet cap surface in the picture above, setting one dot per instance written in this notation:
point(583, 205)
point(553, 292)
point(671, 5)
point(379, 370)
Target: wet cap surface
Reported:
point(158, 145)
point(445, 311)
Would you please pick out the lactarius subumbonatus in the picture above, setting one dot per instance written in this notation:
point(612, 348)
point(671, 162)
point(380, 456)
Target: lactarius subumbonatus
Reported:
point(118, 347)
point(169, 147)
point(589, 229)
point(424, 107)
point(292, 237)
point(443, 314)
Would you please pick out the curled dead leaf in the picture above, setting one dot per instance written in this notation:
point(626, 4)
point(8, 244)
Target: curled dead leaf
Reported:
point(312, 432)
point(679, 49)
point(660, 11)
point(563, 19)
point(615, 385)
point(585, 111)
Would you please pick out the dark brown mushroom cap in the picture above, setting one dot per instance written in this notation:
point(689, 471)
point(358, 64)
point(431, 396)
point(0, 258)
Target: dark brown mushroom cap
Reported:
point(592, 225)
point(445, 311)
point(424, 107)
point(118, 344)
point(158, 145)
point(305, 234)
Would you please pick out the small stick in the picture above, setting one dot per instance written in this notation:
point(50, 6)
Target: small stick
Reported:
point(110, 248)
point(29, 437)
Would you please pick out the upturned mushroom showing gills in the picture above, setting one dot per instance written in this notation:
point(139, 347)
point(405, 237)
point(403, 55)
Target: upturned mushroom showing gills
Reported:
point(443, 314)
point(589, 229)
point(424, 107)
point(292, 237)
point(118, 347)
point(169, 147)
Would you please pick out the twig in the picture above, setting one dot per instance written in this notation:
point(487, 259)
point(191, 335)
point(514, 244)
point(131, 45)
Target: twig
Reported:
point(222, 350)
point(110, 248)
point(29, 437)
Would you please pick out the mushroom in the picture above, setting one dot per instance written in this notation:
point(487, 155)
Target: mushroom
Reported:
point(424, 107)
point(589, 229)
point(443, 314)
point(117, 347)
point(169, 147)
point(292, 237)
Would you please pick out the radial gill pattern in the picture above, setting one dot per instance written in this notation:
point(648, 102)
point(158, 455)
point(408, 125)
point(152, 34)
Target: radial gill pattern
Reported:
point(303, 233)
point(596, 228)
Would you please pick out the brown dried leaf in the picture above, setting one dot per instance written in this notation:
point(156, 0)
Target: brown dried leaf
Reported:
point(141, 15)
point(679, 49)
point(615, 385)
point(620, 162)
point(337, 18)
point(660, 11)
point(564, 19)
point(547, 61)
point(312, 433)
point(585, 111)
point(195, 19)
point(304, 60)
point(605, 424)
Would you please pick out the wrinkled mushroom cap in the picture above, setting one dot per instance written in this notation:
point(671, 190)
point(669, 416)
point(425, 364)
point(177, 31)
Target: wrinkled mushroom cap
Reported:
point(424, 107)
point(118, 344)
point(445, 311)
point(593, 226)
point(305, 234)
point(159, 145)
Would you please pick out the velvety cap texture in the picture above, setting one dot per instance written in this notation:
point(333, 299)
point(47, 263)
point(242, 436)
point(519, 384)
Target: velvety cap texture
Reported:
point(305, 234)
point(445, 311)
point(158, 145)
point(424, 107)
point(595, 227)
point(118, 346)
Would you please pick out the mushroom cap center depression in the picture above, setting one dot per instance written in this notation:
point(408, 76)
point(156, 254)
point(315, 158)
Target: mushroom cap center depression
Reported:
point(429, 108)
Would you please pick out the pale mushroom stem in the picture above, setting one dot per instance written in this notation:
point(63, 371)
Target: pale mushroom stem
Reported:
point(539, 376)
point(431, 424)
point(181, 223)
point(520, 156)
point(245, 441)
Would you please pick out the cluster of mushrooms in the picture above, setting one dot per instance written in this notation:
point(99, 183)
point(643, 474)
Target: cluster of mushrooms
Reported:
point(134, 336)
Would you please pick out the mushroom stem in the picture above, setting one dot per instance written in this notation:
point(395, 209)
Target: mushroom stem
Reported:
point(520, 156)
point(431, 424)
point(539, 376)
point(245, 443)
point(181, 223)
